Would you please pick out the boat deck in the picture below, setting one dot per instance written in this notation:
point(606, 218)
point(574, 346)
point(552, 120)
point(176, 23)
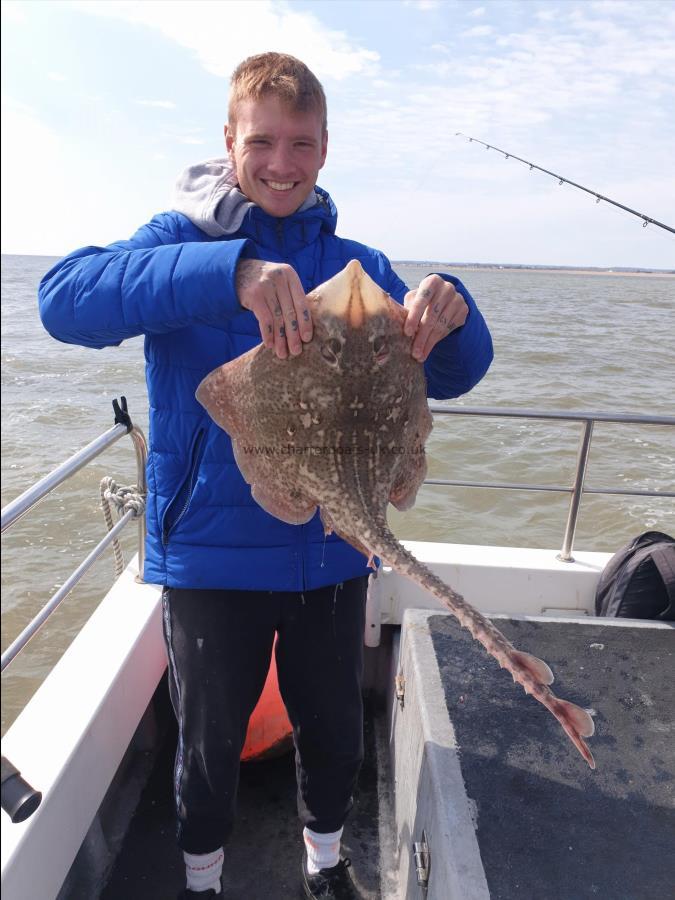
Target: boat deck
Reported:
point(546, 825)
point(262, 858)
point(483, 774)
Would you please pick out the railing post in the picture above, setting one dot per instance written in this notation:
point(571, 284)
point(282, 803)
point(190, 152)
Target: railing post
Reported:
point(565, 554)
point(122, 417)
point(141, 448)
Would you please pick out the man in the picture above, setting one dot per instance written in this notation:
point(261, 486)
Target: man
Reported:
point(248, 237)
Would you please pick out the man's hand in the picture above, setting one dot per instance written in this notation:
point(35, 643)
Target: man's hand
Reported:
point(274, 294)
point(434, 310)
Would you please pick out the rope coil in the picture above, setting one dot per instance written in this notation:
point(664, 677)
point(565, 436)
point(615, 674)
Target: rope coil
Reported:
point(124, 498)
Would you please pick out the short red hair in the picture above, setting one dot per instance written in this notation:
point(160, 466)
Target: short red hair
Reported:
point(278, 75)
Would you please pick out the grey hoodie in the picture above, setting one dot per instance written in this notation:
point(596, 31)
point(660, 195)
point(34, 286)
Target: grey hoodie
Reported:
point(208, 194)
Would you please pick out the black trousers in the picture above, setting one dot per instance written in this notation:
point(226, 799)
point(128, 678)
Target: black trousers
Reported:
point(219, 645)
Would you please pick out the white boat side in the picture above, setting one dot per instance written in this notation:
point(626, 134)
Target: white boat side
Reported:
point(517, 580)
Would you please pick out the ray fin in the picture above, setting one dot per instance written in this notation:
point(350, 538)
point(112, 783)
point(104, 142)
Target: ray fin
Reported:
point(288, 509)
point(537, 668)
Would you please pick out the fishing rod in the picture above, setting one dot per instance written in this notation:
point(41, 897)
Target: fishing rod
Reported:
point(646, 220)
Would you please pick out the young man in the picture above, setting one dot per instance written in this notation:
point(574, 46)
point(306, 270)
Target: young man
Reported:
point(248, 237)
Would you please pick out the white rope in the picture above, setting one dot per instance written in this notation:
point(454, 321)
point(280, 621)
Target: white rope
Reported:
point(123, 498)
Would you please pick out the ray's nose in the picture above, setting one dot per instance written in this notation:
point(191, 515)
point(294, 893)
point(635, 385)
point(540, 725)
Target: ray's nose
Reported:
point(352, 295)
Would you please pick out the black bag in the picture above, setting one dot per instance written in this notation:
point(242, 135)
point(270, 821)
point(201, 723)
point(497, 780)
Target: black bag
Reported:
point(639, 580)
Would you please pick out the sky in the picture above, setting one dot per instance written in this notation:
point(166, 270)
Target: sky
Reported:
point(104, 103)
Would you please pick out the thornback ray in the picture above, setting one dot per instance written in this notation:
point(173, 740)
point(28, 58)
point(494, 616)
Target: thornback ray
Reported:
point(342, 427)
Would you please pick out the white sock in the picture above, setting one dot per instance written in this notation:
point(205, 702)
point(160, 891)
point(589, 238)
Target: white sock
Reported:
point(203, 870)
point(323, 850)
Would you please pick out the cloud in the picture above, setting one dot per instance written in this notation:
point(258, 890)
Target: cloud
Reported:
point(57, 76)
point(477, 12)
point(97, 202)
point(222, 34)
point(183, 135)
point(14, 12)
point(157, 104)
point(423, 5)
point(26, 144)
point(542, 73)
point(478, 31)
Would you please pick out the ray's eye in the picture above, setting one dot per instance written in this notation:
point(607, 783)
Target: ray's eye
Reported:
point(331, 350)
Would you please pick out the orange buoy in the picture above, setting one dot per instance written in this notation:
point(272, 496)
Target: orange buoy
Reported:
point(270, 732)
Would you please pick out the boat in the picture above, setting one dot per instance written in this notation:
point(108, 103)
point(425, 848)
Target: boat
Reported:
point(468, 792)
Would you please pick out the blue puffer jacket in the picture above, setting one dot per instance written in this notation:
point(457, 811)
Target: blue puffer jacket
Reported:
point(174, 283)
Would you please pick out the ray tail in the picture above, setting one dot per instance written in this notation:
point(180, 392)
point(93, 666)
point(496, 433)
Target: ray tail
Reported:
point(532, 673)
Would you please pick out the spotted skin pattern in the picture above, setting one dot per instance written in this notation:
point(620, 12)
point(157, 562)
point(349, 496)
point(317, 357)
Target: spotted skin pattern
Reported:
point(342, 427)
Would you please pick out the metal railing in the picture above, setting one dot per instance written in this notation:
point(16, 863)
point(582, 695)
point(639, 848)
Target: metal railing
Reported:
point(19, 507)
point(30, 498)
point(577, 489)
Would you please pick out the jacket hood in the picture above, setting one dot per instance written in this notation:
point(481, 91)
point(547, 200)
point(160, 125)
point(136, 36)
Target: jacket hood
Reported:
point(208, 194)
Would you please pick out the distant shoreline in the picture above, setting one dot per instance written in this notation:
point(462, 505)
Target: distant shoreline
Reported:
point(567, 270)
point(488, 267)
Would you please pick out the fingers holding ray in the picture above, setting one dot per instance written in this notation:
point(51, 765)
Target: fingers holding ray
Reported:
point(289, 329)
point(302, 313)
point(276, 315)
point(440, 327)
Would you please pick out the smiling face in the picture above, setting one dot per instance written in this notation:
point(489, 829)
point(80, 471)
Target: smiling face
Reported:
point(276, 152)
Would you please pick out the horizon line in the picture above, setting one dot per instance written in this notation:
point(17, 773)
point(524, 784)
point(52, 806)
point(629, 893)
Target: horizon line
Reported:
point(436, 262)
